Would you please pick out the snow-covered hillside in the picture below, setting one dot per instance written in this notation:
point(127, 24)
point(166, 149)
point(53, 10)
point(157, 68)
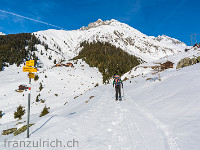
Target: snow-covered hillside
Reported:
point(66, 82)
point(154, 115)
point(146, 68)
point(148, 48)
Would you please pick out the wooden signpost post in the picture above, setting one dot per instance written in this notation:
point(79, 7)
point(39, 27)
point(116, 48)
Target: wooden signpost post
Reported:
point(29, 68)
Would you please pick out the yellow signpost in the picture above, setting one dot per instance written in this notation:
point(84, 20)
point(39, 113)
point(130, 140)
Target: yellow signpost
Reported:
point(30, 63)
point(31, 75)
point(29, 68)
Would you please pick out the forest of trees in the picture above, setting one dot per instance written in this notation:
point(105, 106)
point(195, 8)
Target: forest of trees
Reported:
point(15, 48)
point(109, 59)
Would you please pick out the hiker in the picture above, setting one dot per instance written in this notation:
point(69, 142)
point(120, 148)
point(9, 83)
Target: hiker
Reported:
point(118, 82)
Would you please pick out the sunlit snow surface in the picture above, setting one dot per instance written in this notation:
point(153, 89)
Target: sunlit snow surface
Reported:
point(154, 115)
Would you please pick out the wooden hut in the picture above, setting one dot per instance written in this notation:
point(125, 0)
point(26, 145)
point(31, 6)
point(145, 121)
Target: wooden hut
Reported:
point(167, 65)
point(69, 65)
point(58, 65)
point(23, 87)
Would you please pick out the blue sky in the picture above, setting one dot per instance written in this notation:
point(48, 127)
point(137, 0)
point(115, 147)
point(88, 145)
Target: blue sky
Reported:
point(175, 18)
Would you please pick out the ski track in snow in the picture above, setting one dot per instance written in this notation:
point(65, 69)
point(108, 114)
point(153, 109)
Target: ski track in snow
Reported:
point(168, 133)
point(124, 119)
point(129, 130)
point(135, 126)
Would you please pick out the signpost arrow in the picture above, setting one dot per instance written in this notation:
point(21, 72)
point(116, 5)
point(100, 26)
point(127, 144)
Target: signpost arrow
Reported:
point(31, 75)
point(30, 63)
point(29, 69)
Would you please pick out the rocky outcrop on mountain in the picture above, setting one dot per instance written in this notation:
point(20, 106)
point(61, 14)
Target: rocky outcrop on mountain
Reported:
point(99, 22)
point(198, 59)
point(187, 62)
point(167, 38)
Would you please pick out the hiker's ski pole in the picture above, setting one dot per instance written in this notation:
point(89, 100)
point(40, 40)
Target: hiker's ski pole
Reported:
point(124, 94)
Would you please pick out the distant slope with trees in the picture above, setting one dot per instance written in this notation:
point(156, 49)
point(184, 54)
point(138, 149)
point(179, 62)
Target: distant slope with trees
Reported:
point(109, 59)
point(15, 48)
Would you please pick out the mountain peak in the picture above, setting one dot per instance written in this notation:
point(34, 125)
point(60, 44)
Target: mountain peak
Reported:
point(98, 23)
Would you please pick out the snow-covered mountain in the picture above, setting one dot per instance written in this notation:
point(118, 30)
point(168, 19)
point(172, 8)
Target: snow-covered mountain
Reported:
point(154, 115)
point(148, 48)
point(1, 33)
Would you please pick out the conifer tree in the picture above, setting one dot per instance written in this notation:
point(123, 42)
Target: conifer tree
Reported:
point(44, 111)
point(19, 113)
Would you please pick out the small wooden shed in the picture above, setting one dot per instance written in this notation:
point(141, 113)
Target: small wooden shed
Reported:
point(23, 87)
point(69, 65)
point(58, 65)
point(167, 65)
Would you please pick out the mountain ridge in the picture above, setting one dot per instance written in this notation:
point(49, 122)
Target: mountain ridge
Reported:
point(121, 35)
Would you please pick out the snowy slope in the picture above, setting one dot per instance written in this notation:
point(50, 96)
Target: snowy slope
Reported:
point(175, 58)
point(119, 34)
point(153, 116)
point(66, 82)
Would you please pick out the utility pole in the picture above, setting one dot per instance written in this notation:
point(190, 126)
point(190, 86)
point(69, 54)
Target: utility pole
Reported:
point(193, 39)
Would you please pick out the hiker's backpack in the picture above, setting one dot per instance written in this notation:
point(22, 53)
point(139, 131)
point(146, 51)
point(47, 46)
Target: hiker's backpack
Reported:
point(117, 80)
